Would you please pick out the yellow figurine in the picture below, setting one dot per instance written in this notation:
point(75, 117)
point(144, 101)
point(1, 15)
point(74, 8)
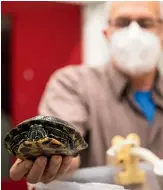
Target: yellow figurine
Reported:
point(130, 173)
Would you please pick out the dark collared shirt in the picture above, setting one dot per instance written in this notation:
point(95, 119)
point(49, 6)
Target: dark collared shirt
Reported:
point(99, 103)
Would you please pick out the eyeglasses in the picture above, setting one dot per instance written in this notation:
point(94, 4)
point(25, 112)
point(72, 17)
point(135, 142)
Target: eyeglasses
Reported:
point(146, 23)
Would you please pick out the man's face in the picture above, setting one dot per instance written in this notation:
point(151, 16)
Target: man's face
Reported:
point(147, 15)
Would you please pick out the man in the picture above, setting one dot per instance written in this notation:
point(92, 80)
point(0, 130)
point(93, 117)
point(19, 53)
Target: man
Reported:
point(122, 97)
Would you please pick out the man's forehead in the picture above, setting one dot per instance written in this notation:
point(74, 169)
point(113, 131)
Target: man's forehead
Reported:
point(135, 8)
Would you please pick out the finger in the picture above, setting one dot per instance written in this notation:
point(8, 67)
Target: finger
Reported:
point(52, 169)
point(20, 169)
point(37, 170)
point(65, 166)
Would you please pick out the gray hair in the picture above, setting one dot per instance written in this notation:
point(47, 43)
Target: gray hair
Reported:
point(108, 5)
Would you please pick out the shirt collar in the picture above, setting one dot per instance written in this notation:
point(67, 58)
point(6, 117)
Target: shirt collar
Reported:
point(117, 80)
point(120, 84)
point(159, 83)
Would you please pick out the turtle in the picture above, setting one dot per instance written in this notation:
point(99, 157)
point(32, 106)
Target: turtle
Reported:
point(44, 136)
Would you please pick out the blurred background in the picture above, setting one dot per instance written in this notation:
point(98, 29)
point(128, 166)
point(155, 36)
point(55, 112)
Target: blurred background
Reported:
point(37, 39)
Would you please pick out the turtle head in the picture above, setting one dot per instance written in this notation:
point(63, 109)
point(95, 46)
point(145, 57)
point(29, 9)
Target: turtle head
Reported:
point(36, 132)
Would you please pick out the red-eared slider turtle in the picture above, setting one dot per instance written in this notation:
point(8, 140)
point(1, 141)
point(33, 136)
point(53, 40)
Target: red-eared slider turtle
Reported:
point(44, 135)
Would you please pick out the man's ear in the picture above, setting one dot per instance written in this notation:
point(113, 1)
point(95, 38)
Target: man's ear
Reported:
point(107, 33)
point(104, 32)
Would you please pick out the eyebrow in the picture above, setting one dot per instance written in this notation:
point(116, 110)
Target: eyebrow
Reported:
point(137, 17)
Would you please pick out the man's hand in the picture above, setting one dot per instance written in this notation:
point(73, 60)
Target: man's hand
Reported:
point(39, 171)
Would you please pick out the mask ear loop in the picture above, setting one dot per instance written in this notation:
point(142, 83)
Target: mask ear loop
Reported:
point(161, 23)
point(162, 38)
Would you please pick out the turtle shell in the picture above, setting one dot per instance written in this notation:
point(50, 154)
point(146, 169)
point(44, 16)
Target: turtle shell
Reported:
point(46, 136)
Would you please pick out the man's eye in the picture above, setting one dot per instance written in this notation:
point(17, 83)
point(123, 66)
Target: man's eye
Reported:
point(146, 23)
point(122, 23)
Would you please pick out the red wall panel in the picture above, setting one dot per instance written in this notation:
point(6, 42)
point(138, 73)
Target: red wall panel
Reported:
point(45, 37)
point(12, 185)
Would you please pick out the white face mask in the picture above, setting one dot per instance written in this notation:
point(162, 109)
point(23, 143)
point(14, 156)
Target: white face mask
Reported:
point(135, 50)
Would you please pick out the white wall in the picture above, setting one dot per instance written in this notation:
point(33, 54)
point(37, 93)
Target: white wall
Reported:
point(95, 48)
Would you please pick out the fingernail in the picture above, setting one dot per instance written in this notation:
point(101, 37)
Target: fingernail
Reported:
point(68, 159)
point(28, 165)
point(41, 161)
point(57, 159)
